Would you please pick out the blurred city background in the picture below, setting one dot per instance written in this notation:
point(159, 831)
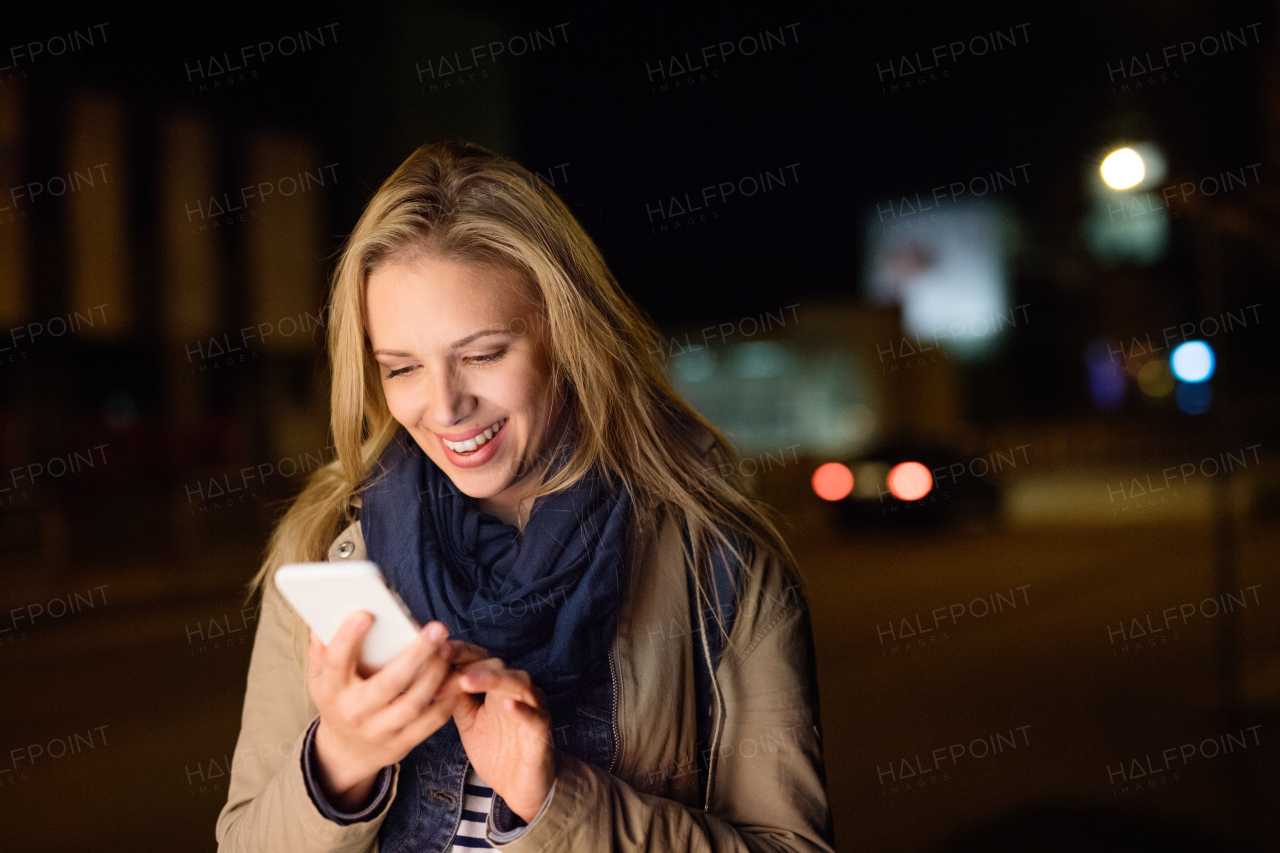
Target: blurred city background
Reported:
point(983, 293)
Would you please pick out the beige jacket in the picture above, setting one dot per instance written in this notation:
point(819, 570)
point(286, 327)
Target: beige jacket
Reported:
point(766, 789)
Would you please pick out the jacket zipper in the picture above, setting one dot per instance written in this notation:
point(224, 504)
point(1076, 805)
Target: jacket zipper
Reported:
point(713, 766)
point(715, 729)
point(617, 745)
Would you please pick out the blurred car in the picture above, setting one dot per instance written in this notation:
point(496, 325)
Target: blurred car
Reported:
point(910, 485)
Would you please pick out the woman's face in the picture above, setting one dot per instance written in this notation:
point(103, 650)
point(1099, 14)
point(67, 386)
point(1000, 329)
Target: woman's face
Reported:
point(465, 369)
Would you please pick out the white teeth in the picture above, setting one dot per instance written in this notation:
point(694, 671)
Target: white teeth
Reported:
point(476, 440)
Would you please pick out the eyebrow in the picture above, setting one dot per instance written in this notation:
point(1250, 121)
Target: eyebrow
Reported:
point(453, 346)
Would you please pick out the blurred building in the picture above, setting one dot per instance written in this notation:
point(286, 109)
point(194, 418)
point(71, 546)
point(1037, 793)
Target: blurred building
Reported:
point(162, 284)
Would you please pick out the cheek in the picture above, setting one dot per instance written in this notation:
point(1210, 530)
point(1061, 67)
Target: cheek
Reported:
point(528, 388)
point(400, 403)
point(525, 400)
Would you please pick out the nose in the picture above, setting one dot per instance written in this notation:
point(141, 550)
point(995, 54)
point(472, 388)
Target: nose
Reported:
point(450, 401)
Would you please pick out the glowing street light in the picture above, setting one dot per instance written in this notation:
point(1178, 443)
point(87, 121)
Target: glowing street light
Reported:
point(1123, 169)
point(1193, 361)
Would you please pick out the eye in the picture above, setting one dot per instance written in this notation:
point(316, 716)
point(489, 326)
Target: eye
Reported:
point(487, 359)
point(394, 373)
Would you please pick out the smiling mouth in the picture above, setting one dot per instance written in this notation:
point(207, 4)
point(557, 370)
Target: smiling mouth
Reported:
point(471, 445)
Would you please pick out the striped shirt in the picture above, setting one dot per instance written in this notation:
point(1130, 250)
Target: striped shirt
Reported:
point(477, 799)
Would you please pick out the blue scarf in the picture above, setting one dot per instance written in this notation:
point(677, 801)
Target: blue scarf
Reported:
point(545, 602)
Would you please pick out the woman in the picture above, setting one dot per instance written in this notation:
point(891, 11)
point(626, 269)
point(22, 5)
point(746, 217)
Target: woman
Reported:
point(615, 652)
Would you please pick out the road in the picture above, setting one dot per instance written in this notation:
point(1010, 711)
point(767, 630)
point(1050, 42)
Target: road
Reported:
point(1031, 630)
point(974, 693)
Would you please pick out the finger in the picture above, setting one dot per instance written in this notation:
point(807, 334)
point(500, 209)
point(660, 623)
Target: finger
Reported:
point(465, 653)
point(423, 654)
point(464, 711)
point(315, 658)
point(496, 667)
point(505, 684)
point(435, 684)
point(342, 654)
point(525, 713)
point(429, 721)
point(529, 713)
point(493, 665)
point(420, 704)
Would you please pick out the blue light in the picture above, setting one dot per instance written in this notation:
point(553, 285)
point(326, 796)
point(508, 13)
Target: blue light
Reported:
point(1193, 361)
point(1107, 383)
point(1195, 398)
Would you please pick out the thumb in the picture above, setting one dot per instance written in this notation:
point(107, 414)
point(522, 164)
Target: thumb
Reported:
point(464, 712)
point(315, 658)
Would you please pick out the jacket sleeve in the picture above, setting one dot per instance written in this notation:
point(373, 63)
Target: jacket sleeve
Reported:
point(770, 788)
point(268, 807)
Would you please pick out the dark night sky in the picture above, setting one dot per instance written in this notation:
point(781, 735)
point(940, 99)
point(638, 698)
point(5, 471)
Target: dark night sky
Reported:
point(817, 102)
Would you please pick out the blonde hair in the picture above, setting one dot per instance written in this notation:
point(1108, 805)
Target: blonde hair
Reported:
point(466, 204)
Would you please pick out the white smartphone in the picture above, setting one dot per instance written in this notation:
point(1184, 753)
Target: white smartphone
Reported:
point(325, 594)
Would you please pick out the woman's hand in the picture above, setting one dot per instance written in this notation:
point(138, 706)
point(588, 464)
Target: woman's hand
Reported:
point(507, 735)
point(369, 723)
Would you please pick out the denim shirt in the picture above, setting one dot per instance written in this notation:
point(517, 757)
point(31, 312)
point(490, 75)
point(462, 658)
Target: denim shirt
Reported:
point(428, 806)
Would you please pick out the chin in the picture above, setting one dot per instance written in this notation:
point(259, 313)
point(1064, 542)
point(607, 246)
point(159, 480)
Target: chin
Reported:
point(484, 482)
point(474, 486)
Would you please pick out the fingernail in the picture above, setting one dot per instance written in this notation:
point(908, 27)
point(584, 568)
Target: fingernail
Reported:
point(436, 632)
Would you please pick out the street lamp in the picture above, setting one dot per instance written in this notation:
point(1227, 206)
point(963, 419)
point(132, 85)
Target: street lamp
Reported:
point(1123, 168)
